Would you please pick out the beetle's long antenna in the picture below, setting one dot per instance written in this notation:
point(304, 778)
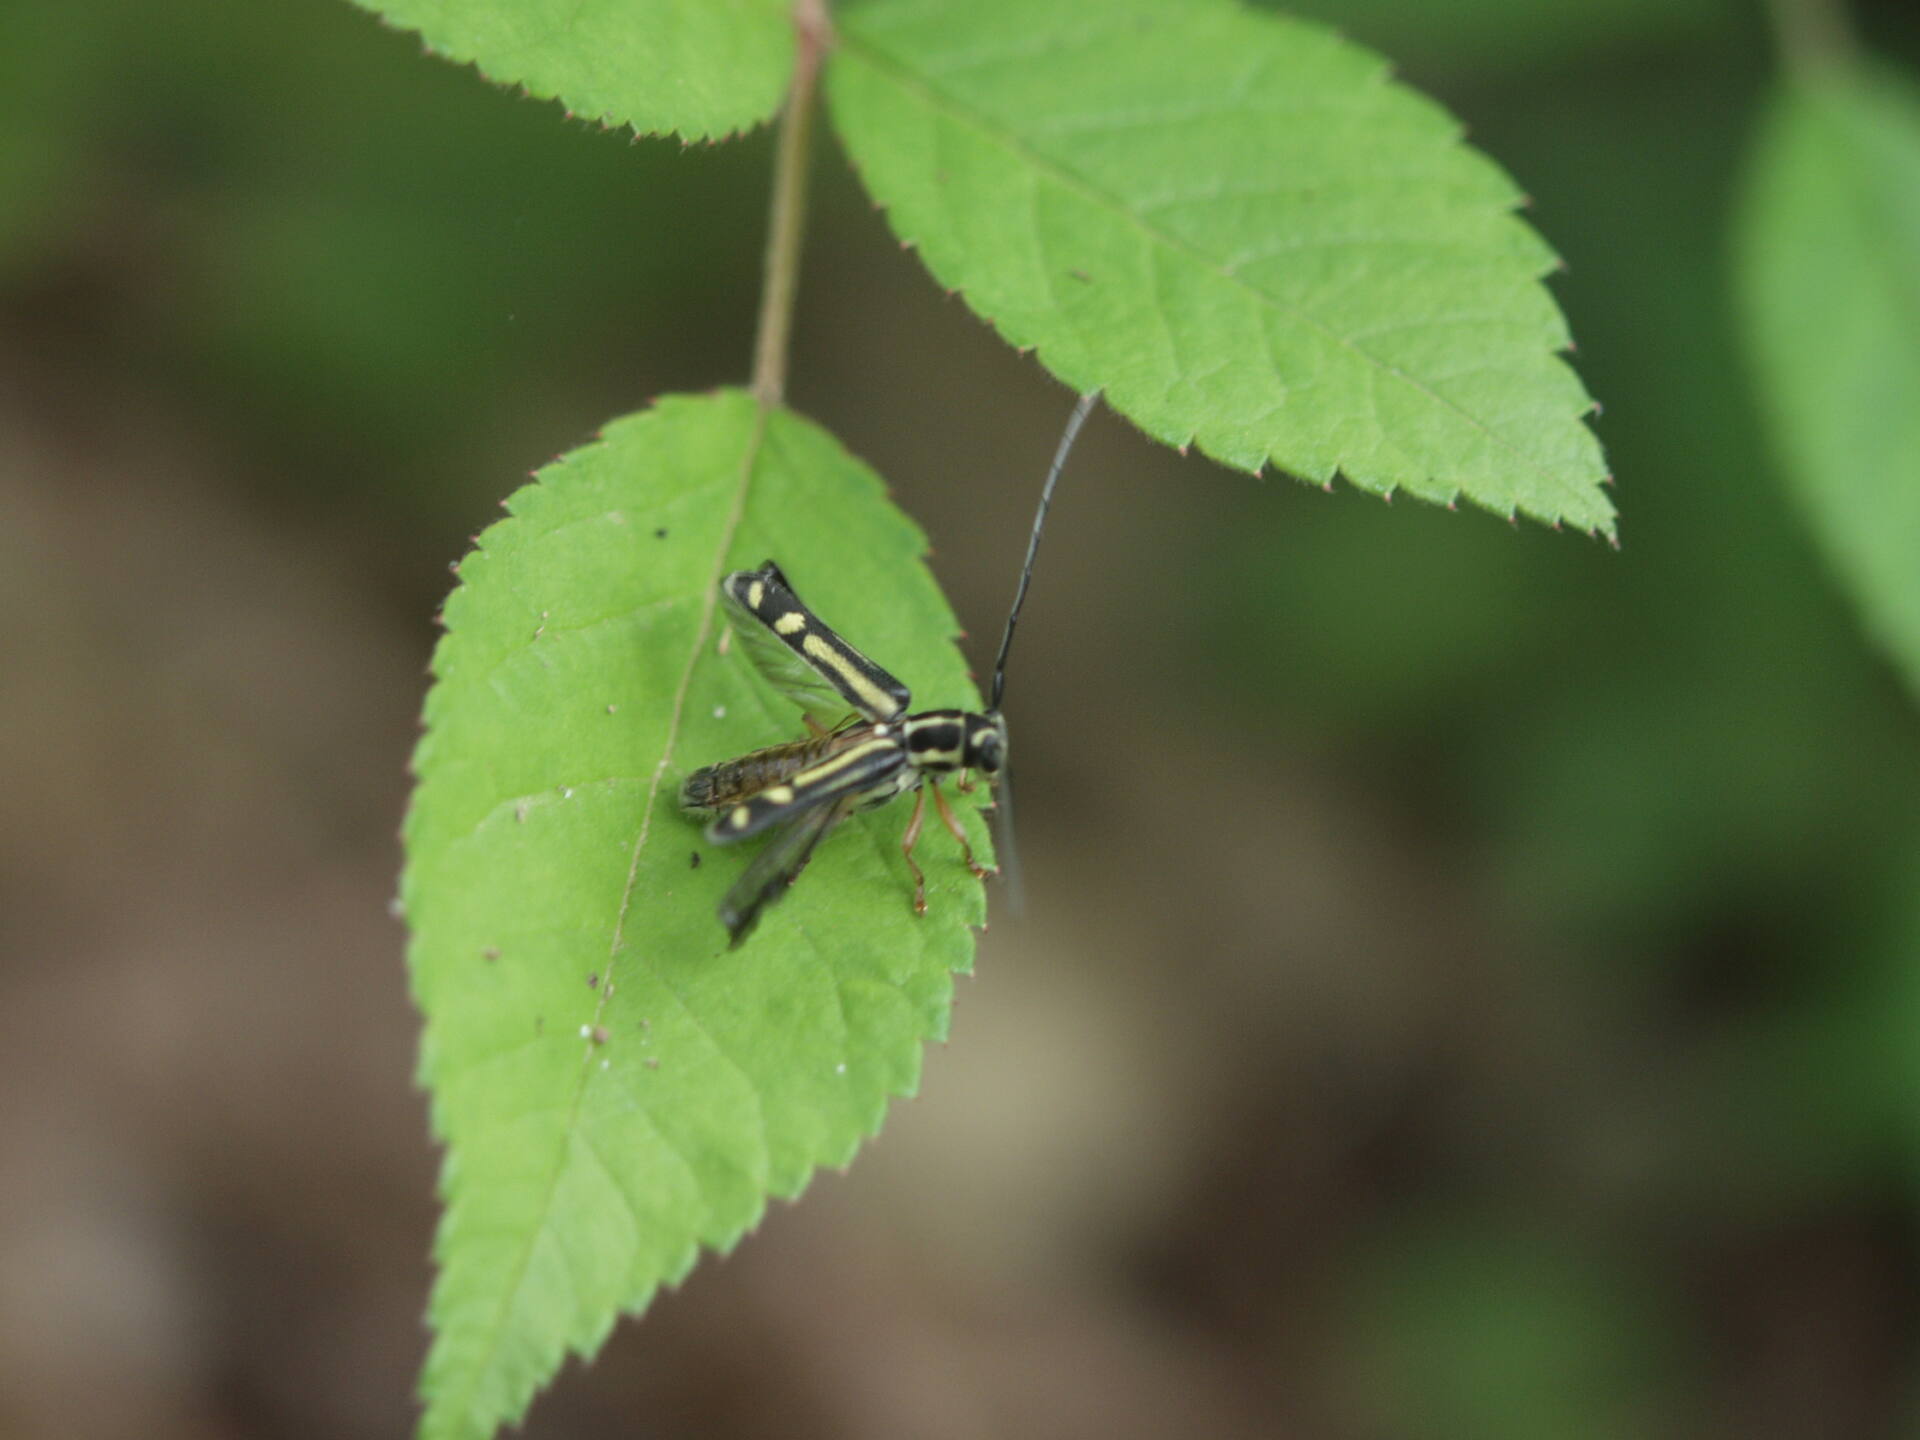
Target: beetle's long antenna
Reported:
point(1074, 422)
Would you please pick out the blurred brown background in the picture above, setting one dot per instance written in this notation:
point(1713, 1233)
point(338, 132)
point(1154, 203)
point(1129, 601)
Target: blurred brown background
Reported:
point(1469, 976)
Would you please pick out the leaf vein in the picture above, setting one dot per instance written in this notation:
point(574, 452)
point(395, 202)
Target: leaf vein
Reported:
point(490, 1346)
point(963, 115)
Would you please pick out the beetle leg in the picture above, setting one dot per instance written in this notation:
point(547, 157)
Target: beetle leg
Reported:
point(907, 842)
point(954, 829)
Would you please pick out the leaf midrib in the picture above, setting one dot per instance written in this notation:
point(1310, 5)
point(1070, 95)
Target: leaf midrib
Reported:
point(748, 463)
point(957, 110)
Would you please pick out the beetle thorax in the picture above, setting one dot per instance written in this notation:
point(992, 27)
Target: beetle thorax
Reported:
point(940, 741)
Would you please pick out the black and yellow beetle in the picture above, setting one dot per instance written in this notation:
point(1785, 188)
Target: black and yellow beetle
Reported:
point(865, 747)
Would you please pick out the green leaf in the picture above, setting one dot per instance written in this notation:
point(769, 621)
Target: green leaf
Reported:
point(1829, 282)
point(697, 68)
point(1496, 35)
point(614, 1087)
point(1238, 227)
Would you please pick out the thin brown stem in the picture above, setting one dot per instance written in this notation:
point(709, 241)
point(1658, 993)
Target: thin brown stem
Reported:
point(813, 35)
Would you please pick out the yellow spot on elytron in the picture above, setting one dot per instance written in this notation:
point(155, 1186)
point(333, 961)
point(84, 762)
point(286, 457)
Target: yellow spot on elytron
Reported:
point(779, 795)
point(741, 815)
point(859, 686)
point(793, 620)
point(756, 592)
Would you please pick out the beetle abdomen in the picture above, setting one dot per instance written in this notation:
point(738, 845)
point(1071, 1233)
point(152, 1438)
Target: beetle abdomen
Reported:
point(716, 787)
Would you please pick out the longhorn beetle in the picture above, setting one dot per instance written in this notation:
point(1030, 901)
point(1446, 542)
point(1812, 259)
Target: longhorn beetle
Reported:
point(850, 762)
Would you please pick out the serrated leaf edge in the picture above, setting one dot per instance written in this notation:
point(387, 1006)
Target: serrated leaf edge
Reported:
point(606, 121)
point(461, 1405)
point(961, 114)
point(687, 1258)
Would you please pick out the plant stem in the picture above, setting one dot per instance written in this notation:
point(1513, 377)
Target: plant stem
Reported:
point(1813, 35)
point(813, 34)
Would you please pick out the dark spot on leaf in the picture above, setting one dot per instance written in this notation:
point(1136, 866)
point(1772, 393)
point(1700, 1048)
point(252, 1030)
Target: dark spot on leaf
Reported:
point(1081, 276)
point(492, 952)
point(599, 1034)
point(694, 860)
point(661, 533)
point(652, 1062)
point(593, 981)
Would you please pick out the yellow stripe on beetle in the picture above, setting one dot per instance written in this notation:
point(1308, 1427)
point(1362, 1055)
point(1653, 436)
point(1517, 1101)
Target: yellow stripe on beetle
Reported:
point(871, 695)
point(827, 769)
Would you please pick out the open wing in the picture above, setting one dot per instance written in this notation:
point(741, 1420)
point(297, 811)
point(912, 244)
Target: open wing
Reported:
point(802, 656)
point(777, 866)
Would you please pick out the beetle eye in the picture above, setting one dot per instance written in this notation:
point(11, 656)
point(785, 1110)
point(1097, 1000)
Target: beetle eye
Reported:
point(987, 750)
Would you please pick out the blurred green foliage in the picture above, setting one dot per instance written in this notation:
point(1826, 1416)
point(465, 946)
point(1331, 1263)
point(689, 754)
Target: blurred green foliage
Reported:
point(361, 259)
point(1828, 271)
point(1677, 771)
point(1684, 760)
point(1496, 1325)
point(1490, 35)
